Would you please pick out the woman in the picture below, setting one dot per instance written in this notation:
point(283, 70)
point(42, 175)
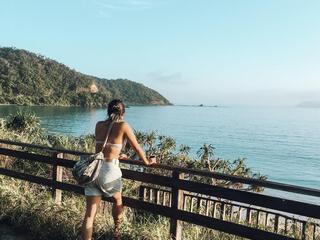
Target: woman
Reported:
point(109, 183)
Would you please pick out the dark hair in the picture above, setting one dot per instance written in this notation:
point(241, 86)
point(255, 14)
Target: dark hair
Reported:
point(116, 109)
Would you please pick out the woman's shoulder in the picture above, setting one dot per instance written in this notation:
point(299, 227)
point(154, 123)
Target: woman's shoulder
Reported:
point(122, 124)
point(106, 123)
point(100, 124)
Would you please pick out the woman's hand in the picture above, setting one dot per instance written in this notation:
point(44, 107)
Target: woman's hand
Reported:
point(152, 160)
point(123, 156)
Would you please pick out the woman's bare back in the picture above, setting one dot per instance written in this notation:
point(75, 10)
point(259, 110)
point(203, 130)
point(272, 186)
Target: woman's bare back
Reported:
point(115, 139)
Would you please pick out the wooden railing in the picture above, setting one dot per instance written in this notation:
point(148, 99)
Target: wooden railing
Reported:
point(179, 187)
point(234, 212)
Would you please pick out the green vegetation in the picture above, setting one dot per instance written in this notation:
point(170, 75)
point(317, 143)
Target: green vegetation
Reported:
point(22, 202)
point(30, 79)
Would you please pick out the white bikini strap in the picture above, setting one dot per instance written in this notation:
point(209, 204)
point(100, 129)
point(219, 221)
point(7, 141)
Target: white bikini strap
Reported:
point(107, 136)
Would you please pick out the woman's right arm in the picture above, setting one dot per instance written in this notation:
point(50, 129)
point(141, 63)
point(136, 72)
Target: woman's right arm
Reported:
point(135, 145)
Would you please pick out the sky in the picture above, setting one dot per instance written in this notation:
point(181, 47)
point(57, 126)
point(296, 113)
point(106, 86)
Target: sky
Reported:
point(227, 52)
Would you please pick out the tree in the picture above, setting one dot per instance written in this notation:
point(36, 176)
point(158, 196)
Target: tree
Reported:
point(205, 153)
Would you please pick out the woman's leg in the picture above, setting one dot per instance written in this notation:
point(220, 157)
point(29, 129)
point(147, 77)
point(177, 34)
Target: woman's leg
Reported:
point(117, 210)
point(91, 211)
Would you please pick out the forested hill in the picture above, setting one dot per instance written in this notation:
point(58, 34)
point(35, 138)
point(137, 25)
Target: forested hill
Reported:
point(30, 79)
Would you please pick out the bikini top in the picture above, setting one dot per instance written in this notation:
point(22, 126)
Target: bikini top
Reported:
point(117, 145)
point(105, 143)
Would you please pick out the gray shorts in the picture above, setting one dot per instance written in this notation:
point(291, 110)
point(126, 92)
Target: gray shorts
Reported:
point(108, 181)
point(107, 189)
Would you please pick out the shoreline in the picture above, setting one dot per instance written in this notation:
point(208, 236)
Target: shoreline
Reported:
point(127, 105)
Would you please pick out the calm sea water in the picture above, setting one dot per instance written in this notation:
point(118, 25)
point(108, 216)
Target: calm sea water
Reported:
point(282, 143)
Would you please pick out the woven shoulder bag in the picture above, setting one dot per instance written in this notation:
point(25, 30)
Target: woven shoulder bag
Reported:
point(87, 169)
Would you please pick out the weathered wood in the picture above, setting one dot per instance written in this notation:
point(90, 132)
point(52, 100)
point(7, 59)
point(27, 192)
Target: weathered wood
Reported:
point(184, 206)
point(26, 177)
point(239, 216)
point(276, 224)
point(229, 227)
point(285, 225)
point(264, 216)
point(248, 215)
point(267, 218)
point(57, 172)
point(37, 157)
point(276, 203)
point(70, 188)
point(222, 210)
point(157, 196)
point(303, 231)
point(45, 148)
point(191, 203)
point(141, 193)
point(176, 204)
point(285, 205)
point(206, 212)
point(198, 201)
point(164, 199)
point(214, 214)
point(258, 218)
point(257, 182)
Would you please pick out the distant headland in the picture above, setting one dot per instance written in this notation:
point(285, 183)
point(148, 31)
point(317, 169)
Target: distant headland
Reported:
point(30, 79)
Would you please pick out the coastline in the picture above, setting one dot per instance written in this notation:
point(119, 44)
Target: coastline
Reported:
point(44, 105)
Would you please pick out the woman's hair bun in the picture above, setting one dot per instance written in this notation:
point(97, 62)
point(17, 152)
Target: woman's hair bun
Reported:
point(116, 109)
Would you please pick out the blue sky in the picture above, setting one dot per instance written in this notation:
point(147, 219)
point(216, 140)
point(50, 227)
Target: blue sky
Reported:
point(228, 52)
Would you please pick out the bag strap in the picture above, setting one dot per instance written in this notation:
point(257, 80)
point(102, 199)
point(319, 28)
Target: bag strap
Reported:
point(107, 136)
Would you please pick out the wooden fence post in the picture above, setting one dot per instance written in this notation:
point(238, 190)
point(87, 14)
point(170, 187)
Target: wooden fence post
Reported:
point(141, 193)
point(56, 176)
point(303, 231)
point(248, 216)
point(276, 223)
point(176, 203)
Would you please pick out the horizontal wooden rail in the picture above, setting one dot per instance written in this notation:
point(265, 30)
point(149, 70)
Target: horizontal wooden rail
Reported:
point(280, 204)
point(37, 157)
point(46, 148)
point(232, 228)
point(249, 181)
point(231, 211)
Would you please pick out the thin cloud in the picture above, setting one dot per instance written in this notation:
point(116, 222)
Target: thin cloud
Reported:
point(173, 78)
point(125, 5)
point(106, 8)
